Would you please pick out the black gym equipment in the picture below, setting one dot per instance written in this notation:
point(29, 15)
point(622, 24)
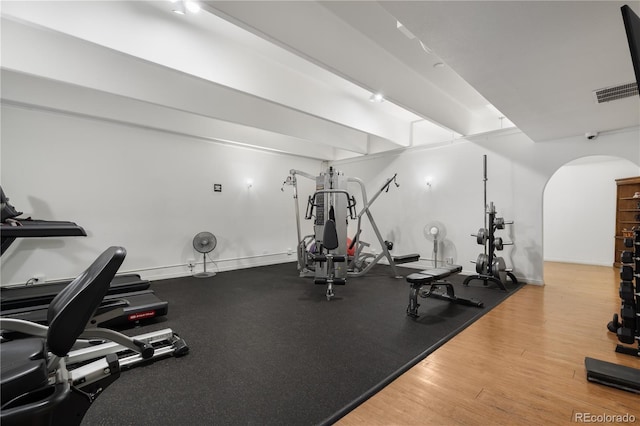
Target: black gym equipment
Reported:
point(136, 302)
point(52, 376)
point(132, 296)
point(434, 280)
point(329, 242)
point(29, 228)
point(626, 325)
point(614, 375)
point(489, 266)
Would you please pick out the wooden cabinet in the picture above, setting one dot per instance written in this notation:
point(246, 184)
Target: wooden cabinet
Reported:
point(627, 212)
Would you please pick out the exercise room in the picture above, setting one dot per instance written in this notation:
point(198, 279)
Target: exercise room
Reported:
point(316, 213)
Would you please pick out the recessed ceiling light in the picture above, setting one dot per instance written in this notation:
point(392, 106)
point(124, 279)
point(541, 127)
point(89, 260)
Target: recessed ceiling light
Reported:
point(376, 97)
point(438, 65)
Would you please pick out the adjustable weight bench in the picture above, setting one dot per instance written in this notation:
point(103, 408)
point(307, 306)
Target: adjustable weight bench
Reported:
point(433, 279)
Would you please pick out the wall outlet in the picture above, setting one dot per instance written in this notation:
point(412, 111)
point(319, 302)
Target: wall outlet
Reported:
point(289, 252)
point(191, 263)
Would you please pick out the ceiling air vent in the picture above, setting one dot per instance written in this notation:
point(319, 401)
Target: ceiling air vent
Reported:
point(616, 92)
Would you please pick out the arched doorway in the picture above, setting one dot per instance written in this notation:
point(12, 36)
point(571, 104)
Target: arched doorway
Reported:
point(579, 210)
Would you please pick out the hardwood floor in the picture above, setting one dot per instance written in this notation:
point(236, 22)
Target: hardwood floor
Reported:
point(521, 364)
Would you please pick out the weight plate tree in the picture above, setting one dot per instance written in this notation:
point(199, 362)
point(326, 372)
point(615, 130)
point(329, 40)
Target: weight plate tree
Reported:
point(489, 266)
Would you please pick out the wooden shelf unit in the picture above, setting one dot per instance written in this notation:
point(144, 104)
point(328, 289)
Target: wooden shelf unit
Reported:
point(627, 212)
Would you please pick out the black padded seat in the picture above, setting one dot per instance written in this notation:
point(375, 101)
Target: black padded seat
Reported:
point(432, 275)
point(418, 278)
point(27, 395)
point(23, 367)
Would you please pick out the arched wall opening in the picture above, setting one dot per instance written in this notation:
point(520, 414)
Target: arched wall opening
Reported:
point(579, 203)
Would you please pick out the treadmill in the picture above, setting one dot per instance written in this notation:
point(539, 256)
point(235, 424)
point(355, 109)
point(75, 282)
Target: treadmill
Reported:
point(30, 302)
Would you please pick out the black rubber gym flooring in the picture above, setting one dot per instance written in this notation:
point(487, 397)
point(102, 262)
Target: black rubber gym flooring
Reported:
point(267, 348)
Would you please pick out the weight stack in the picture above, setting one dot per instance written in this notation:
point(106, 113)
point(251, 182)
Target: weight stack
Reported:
point(627, 325)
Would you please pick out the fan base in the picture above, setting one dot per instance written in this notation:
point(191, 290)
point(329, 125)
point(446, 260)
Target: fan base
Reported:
point(204, 274)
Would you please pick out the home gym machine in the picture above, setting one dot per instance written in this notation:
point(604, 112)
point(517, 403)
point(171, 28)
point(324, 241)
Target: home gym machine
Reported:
point(489, 266)
point(333, 202)
point(627, 330)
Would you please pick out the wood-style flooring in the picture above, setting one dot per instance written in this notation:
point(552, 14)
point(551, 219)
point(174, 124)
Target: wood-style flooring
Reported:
point(521, 364)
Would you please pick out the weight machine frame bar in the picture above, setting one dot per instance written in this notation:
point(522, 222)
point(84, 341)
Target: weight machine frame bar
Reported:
point(365, 209)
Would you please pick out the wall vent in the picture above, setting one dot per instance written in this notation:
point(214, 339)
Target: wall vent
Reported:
point(616, 92)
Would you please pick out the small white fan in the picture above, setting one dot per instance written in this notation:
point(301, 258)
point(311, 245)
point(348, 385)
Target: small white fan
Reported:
point(204, 242)
point(435, 231)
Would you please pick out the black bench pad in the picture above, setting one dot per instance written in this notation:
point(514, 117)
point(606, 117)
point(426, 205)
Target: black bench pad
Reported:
point(429, 276)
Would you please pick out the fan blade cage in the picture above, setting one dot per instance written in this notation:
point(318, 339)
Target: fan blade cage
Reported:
point(204, 242)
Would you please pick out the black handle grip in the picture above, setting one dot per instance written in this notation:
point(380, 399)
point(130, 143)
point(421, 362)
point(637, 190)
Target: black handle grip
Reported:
point(145, 349)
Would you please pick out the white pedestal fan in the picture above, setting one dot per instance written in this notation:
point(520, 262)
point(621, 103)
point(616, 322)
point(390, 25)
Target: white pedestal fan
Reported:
point(435, 231)
point(204, 242)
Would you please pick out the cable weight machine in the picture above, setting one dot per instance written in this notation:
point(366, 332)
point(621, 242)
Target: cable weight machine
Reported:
point(332, 202)
point(489, 266)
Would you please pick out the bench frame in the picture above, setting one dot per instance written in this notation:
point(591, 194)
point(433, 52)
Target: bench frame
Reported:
point(433, 279)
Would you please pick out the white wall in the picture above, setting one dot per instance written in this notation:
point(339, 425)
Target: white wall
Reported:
point(518, 170)
point(151, 191)
point(580, 210)
point(146, 190)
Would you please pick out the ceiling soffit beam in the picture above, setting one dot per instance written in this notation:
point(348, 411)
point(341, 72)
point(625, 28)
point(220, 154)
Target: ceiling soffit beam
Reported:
point(312, 31)
point(28, 91)
point(215, 50)
point(33, 50)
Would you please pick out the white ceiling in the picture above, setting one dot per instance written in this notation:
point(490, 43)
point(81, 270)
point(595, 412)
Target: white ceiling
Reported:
point(295, 76)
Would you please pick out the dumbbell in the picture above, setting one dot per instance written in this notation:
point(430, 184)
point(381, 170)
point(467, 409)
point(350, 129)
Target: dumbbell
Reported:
point(628, 242)
point(499, 244)
point(628, 257)
point(626, 273)
point(499, 222)
point(481, 236)
point(627, 292)
point(626, 335)
point(629, 315)
point(614, 324)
